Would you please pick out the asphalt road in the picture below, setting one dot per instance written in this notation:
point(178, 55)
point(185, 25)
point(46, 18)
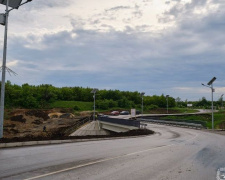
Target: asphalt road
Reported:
point(172, 153)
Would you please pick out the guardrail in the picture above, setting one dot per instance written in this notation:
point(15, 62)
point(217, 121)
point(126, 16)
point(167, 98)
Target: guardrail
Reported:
point(135, 123)
point(77, 125)
point(174, 123)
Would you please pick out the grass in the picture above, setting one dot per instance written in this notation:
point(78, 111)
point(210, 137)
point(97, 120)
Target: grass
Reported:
point(219, 118)
point(170, 111)
point(88, 106)
point(83, 106)
point(185, 110)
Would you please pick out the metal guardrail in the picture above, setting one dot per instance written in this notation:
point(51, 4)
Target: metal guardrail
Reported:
point(174, 123)
point(77, 125)
point(126, 122)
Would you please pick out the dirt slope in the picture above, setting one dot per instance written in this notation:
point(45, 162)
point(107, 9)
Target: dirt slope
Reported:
point(23, 122)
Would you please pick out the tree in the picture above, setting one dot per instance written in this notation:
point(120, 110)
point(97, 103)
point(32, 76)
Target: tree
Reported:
point(178, 102)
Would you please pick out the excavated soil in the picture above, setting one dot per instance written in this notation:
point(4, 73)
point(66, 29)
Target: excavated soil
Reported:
point(57, 135)
point(24, 122)
point(28, 125)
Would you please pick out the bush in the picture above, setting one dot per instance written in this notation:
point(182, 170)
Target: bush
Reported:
point(76, 108)
point(102, 104)
point(152, 106)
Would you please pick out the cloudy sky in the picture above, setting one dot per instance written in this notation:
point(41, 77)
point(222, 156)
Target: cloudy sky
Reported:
point(154, 46)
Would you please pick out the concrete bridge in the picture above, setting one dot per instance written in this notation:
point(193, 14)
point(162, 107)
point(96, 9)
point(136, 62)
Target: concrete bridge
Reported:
point(105, 125)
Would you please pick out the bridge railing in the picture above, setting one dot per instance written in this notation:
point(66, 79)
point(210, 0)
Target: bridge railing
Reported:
point(126, 122)
point(77, 125)
point(175, 123)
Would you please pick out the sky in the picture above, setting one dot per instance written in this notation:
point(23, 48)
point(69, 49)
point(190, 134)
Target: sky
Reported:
point(158, 47)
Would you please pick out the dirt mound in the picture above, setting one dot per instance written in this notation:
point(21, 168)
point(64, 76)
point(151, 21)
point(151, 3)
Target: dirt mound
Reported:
point(26, 122)
point(60, 115)
point(18, 118)
point(37, 113)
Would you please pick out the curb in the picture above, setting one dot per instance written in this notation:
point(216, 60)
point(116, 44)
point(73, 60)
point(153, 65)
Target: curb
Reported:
point(48, 142)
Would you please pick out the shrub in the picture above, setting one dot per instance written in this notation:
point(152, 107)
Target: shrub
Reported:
point(76, 108)
point(152, 106)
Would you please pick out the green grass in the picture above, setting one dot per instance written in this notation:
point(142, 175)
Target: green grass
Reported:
point(219, 118)
point(185, 110)
point(83, 106)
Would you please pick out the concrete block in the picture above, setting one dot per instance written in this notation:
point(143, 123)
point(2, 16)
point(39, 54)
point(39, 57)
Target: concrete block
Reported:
point(17, 144)
point(43, 142)
point(29, 143)
point(55, 142)
point(2, 145)
point(67, 141)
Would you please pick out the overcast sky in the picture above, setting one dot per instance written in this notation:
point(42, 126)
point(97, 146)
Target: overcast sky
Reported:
point(155, 46)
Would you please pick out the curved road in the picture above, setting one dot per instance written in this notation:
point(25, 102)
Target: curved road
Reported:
point(172, 153)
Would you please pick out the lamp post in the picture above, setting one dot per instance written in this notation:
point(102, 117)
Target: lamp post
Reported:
point(94, 92)
point(142, 97)
point(210, 85)
point(222, 101)
point(14, 4)
point(167, 103)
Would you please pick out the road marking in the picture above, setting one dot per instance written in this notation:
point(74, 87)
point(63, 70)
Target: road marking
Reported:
point(196, 135)
point(104, 160)
point(96, 162)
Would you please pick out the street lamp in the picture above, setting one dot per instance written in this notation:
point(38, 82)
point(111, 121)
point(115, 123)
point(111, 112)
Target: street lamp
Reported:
point(210, 85)
point(167, 103)
point(222, 101)
point(142, 96)
point(94, 92)
point(14, 4)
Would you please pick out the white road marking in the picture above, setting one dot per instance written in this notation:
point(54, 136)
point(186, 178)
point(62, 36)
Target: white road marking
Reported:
point(95, 162)
point(103, 160)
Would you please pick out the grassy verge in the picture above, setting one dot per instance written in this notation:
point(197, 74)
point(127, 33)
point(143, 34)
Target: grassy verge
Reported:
point(219, 119)
point(170, 111)
point(185, 110)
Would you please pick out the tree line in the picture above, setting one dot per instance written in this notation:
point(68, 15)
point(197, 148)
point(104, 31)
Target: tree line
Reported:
point(41, 96)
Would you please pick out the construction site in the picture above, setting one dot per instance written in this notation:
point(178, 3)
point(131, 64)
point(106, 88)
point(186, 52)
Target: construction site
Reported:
point(33, 124)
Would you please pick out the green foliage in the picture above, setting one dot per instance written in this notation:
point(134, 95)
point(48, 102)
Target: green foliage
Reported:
point(152, 106)
point(83, 106)
point(185, 110)
point(76, 108)
point(106, 104)
point(102, 104)
point(219, 118)
point(46, 95)
point(125, 103)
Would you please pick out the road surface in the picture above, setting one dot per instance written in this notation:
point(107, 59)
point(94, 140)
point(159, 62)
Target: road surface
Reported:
point(200, 111)
point(172, 153)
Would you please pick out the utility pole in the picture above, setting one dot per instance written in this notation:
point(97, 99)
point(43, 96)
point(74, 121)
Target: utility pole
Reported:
point(210, 85)
point(142, 97)
point(167, 96)
point(14, 4)
point(94, 92)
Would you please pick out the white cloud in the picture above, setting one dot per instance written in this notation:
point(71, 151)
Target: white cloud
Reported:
point(12, 63)
point(149, 46)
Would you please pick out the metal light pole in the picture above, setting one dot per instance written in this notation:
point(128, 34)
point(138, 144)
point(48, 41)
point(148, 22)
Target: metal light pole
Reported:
point(3, 71)
point(222, 101)
point(14, 4)
point(210, 85)
point(142, 97)
point(94, 92)
point(167, 102)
